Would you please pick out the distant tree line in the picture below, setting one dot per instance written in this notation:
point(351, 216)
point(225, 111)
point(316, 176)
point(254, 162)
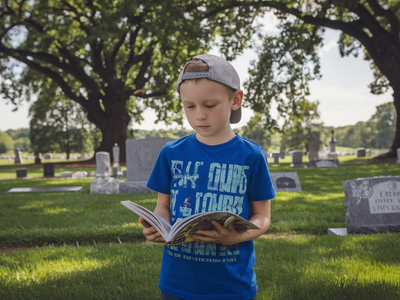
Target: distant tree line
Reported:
point(63, 130)
point(378, 132)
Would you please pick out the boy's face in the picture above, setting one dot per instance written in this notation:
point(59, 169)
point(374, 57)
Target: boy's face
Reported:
point(208, 106)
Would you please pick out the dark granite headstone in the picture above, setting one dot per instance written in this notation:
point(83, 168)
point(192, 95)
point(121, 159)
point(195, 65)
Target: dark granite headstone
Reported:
point(21, 173)
point(361, 152)
point(48, 169)
point(297, 160)
point(275, 156)
point(373, 204)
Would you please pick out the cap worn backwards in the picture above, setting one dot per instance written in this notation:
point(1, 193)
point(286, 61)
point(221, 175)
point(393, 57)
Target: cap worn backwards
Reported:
point(219, 70)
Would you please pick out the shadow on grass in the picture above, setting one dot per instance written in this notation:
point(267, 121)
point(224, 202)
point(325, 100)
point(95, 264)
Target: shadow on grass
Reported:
point(69, 218)
point(95, 272)
point(329, 267)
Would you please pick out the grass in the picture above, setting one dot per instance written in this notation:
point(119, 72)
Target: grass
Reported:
point(325, 267)
point(91, 247)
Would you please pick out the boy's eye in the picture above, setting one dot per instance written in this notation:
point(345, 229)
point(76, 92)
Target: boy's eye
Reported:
point(210, 106)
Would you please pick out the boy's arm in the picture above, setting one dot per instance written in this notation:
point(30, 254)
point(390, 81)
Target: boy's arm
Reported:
point(163, 210)
point(229, 236)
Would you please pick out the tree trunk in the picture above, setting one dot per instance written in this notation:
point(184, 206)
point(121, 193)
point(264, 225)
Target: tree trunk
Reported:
point(113, 124)
point(396, 102)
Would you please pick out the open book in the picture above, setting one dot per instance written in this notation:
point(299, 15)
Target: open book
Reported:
point(184, 229)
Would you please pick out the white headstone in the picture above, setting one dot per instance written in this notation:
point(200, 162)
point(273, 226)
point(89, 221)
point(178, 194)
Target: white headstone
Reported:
point(116, 156)
point(141, 156)
point(102, 164)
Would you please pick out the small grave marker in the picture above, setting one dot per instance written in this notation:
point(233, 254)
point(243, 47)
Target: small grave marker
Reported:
point(21, 173)
point(286, 182)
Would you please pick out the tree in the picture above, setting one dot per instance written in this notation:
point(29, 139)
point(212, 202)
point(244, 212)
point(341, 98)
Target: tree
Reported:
point(256, 130)
point(6, 142)
point(289, 60)
point(384, 124)
point(114, 58)
point(62, 127)
point(377, 132)
point(302, 126)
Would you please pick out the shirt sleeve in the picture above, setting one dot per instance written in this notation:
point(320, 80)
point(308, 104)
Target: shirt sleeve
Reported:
point(261, 186)
point(160, 178)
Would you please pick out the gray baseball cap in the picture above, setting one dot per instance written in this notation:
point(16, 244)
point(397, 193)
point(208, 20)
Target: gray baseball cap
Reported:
point(219, 70)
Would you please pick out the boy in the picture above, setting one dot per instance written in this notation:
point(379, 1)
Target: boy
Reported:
point(213, 169)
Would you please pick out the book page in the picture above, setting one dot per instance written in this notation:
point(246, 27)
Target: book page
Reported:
point(160, 224)
point(184, 231)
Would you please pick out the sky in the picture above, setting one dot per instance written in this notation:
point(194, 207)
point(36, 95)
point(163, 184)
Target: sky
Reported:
point(343, 91)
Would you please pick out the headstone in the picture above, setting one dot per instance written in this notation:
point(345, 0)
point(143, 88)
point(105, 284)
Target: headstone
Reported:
point(48, 169)
point(141, 156)
point(79, 174)
point(332, 154)
point(324, 163)
point(275, 156)
point(46, 189)
point(48, 156)
point(373, 204)
point(361, 152)
point(102, 164)
point(398, 156)
point(116, 170)
point(21, 173)
point(323, 153)
point(66, 174)
point(297, 160)
point(313, 148)
point(103, 183)
point(18, 156)
point(286, 182)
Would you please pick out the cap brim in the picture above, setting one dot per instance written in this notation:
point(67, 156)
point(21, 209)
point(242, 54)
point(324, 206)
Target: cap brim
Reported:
point(236, 115)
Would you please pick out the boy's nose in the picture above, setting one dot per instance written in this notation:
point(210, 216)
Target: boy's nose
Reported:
point(200, 115)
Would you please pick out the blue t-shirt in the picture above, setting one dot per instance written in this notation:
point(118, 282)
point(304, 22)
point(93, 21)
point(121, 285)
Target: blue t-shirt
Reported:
point(203, 178)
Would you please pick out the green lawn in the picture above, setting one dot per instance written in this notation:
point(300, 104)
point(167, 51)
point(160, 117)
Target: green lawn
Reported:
point(87, 246)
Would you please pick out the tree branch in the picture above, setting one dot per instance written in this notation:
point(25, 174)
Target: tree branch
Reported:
point(56, 77)
point(388, 14)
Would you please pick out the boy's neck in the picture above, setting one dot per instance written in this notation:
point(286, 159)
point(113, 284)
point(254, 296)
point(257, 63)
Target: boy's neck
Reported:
point(216, 140)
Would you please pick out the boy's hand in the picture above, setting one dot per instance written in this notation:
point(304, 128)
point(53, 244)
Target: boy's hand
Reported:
point(150, 232)
point(226, 236)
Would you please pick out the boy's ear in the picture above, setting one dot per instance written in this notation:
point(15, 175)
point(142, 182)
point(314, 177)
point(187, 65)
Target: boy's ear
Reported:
point(237, 99)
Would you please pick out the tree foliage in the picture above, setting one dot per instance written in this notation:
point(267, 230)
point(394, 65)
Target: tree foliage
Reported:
point(302, 126)
point(377, 132)
point(114, 58)
point(288, 60)
point(257, 131)
point(62, 127)
point(6, 142)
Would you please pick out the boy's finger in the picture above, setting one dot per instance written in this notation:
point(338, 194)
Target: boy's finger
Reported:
point(144, 222)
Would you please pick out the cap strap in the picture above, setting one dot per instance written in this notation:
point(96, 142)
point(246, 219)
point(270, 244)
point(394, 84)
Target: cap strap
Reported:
point(193, 75)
